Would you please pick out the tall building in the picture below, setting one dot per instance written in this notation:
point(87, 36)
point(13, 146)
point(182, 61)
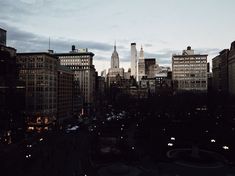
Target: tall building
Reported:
point(39, 72)
point(12, 92)
point(189, 71)
point(231, 69)
point(81, 62)
point(133, 60)
point(220, 72)
point(3, 37)
point(151, 67)
point(141, 65)
point(114, 71)
point(65, 94)
point(115, 58)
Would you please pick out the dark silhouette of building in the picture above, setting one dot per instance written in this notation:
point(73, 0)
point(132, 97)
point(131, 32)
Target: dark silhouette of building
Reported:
point(220, 72)
point(11, 92)
point(3, 37)
point(231, 69)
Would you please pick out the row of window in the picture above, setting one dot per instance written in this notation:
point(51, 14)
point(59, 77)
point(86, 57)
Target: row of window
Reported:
point(189, 58)
point(192, 66)
point(77, 57)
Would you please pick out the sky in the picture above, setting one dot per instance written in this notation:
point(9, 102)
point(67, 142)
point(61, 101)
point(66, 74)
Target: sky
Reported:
point(162, 27)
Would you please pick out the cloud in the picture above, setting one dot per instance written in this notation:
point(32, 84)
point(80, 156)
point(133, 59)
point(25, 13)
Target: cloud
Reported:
point(102, 58)
point(12, 11)
point(209, 51)
point(26, 41)
point(148, 45)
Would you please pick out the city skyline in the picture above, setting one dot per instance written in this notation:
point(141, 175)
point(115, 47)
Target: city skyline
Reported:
point(157, 25)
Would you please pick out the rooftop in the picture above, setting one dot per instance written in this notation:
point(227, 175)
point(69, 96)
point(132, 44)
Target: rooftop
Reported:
point(37, 53)
point(74, 54)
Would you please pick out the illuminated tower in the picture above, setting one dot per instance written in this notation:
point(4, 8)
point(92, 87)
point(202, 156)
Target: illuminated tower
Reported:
point(133, 60)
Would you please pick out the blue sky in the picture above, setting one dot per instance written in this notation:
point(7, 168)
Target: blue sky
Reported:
point(163, 27)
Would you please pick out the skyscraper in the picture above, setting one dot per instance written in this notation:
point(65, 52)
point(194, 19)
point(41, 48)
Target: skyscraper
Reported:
point(133, 60)
point(114, 71)
point(189, 70)
point(141, 65)
point(115, 58)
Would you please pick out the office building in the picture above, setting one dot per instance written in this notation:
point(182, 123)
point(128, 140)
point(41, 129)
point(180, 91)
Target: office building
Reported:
point(81, 62)
point(151, 67)
point(39, 72)
point(133, 60)
point(189, 70)
point(64, 94)
point(220, 72)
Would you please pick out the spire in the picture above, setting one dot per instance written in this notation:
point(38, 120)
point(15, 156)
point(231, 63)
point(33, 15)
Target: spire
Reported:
point(141, 52)
point(115, 57)
point(115, 45)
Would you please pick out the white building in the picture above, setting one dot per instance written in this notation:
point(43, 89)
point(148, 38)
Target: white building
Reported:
point(133, 60)
point(115, 58)
point(114, 71)
point(189, 71)
point(141, 65)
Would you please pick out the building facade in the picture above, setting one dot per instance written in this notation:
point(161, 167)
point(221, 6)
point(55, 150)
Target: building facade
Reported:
point(133, 60)
point(127, 75)
point(113, 74)
point(81, 62)
point(151, 68)
point(231, 69)
point(141, 65)
point(64, 94)
point(220, 72)
point(39, 73)
point(189, 70)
